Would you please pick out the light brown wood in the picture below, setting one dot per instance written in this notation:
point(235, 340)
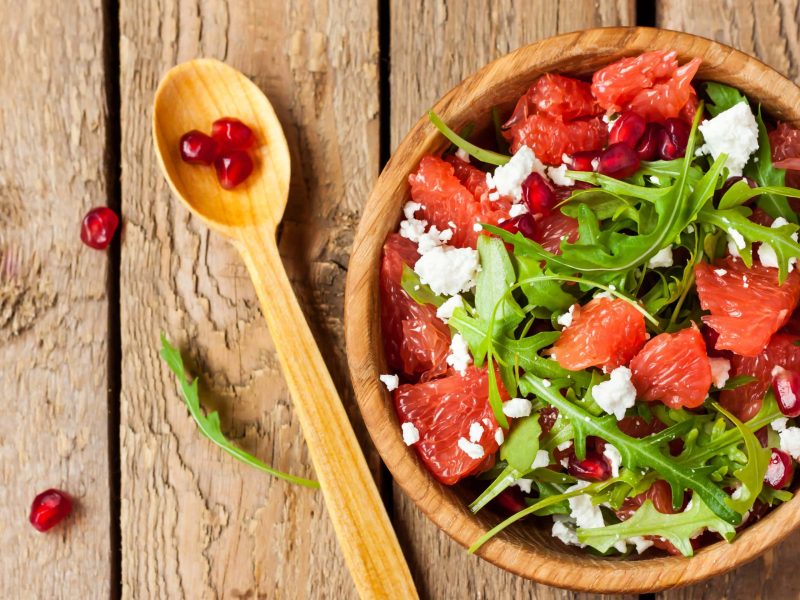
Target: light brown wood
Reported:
point(767, 30)
point(194, 522)
point(190, 96)
point(434, 45)
point(530, 550)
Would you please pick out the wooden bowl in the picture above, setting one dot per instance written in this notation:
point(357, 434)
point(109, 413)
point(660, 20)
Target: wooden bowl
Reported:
point(527, 548)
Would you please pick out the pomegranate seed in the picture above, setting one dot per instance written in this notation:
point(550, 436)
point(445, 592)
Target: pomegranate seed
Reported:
point(232, 134)
point(763, 436)
point(98, 227)
point(676, 446)
point(619, 160)
point(787, 387)
point(628, 129)
point(780, 470)
point(49, 508)
point(537, 195)
point(647, 148)
point(593, 467)
point(547, 418)
point(197, 148)
point(524, 224)
point(233, 168)
point(511, 500)
point(584, 160)
point(672, 139)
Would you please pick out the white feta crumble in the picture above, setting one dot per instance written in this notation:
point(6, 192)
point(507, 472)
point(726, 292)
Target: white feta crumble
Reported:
point(617, 394)
point(790, 441)
point(448, 270)
point(779, 424)
point(586, 514)
point(507, 179)
point(433, 238)
point(542, 460)
point(640, 543)
point(720, 272)
point(720, 371)
point(517, 210)
point(558, 175)
point(475, 432)
point(477, 227)
point(462, 154)
point(410, 208)
point(614, 459)
point(564, 446)
point(595, 163)
point(565, 320)
point(413, 229)
point(662, 258)
point(445, 311)
point(494, 196)
point(655, 181)
point(562, 531)
point(737, 493)
point(410, 433)
point(517, 408)
point(733, 132)
point(690, 228)
point(459, 357)
point(745, 284)
point(499, 436)
point(564, 462)
point(471, 449)
point(451, 224)
point(390, 381)
point(766, 253)
point(735, 242)
point(524, 484)
point(546, 383)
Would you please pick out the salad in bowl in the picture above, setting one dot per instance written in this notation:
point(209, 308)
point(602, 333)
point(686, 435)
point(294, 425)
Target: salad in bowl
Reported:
point(588, 315)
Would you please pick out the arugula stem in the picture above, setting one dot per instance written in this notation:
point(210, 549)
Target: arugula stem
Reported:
point(487, 156)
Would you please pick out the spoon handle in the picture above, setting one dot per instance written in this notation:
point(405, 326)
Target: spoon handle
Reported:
point(365, 534)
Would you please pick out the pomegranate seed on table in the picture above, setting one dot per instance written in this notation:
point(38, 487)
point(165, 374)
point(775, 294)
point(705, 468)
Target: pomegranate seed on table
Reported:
point(98, 227)
point(232, 134)
point(233, 168)
point(780, 470)
point(594, 467)
point(49, 508)
point(647, 147)
point(673, 139)
point(628, 129)
point(619, 160)
point(787, 391)
point(537, 195)
point(524, 224)
point(197, 148)
point(584, 160)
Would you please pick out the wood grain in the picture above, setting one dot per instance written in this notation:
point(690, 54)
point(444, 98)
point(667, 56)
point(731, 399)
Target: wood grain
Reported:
point(768, 30)
point(434, 45)
point(194, 523)
point(53, 303)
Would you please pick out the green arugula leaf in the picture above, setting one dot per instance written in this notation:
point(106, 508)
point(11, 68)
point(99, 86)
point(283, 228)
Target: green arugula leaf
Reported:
point(520, 448)
point(420, 292)
point(739, 381)
point(548, 294)
point(678, 528)
point(487, 156)
point(494, 280)
point(722, 97)
point(209, 424)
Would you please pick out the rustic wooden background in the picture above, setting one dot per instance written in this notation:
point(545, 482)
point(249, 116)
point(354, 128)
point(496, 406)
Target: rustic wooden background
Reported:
point(89, 407)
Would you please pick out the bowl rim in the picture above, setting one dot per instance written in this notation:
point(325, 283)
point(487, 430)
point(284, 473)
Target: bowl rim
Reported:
point(362, 318)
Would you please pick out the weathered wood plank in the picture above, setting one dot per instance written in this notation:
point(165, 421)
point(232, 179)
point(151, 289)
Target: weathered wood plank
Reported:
point(195, 523)
point(433, 46)
point(769, 30)
point(53, 298)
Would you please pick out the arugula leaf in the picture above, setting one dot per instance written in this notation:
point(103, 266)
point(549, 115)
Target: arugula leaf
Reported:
point(678, 528)
point(520, 449)
point(494, 280)
point(722, 96)
point(548, 294)
point(738, 381)
point(209, 424)
point(487, 156)
point(420, 292)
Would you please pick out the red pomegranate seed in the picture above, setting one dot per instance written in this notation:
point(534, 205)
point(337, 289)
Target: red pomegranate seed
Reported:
point(619, 160)
point(98, 227)
point(672, 139)
point(511, 500)
point(787, 391)
point(197, 148)
point(780, 470)
point(524, 224)
point(763, 436)
point(593, 467)
point(232, 134)
point(547, 418)
point(50, 508)
point(647, 148)
point(584, 160)
point(628, 129)
point(233, 168)
point(537, 195)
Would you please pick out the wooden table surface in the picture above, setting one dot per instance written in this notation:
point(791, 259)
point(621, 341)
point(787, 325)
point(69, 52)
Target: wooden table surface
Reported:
point(161, 513)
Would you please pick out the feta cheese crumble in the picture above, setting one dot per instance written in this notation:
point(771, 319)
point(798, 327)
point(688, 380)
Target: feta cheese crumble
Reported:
point(410, 433)
point(507, 179)
point(562, 531)
point(471, 449)
point(448, 270)
point(475, 432)
point(459, 357)
point(720, 371)
point(720, 272)
point(433, 238)
point(445, 311)
point(517, 408)
point(617, 394)
point(662, 258)
point(542, 460)
point(733, 132)
point(499, 436)
point(558, 175)
point(586, 514)
point(517, 210)
point(390, 381)
point(735, 242)
point(766, 253)
point(655, 181)
point(790, 441)
point(477, 228)
point(614, 459)
point(565, 320)
point(779, 424)
point(462, 154)
point(524, 484)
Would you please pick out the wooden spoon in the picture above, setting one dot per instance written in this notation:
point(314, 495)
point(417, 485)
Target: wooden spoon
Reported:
point(191, 96)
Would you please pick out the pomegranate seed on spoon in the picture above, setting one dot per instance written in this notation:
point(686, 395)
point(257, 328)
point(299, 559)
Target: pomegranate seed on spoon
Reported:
point(197, 148)
point(673, 139)
point(619, 160)
point(593, 467)
point(49, 508)
point(232, 134)
point(627, 129)
point(780, 470)
point(647, 147)
point(584, 160)
point(787, 391)
point(98, 227)
point(537, 195)
point(233, 168)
